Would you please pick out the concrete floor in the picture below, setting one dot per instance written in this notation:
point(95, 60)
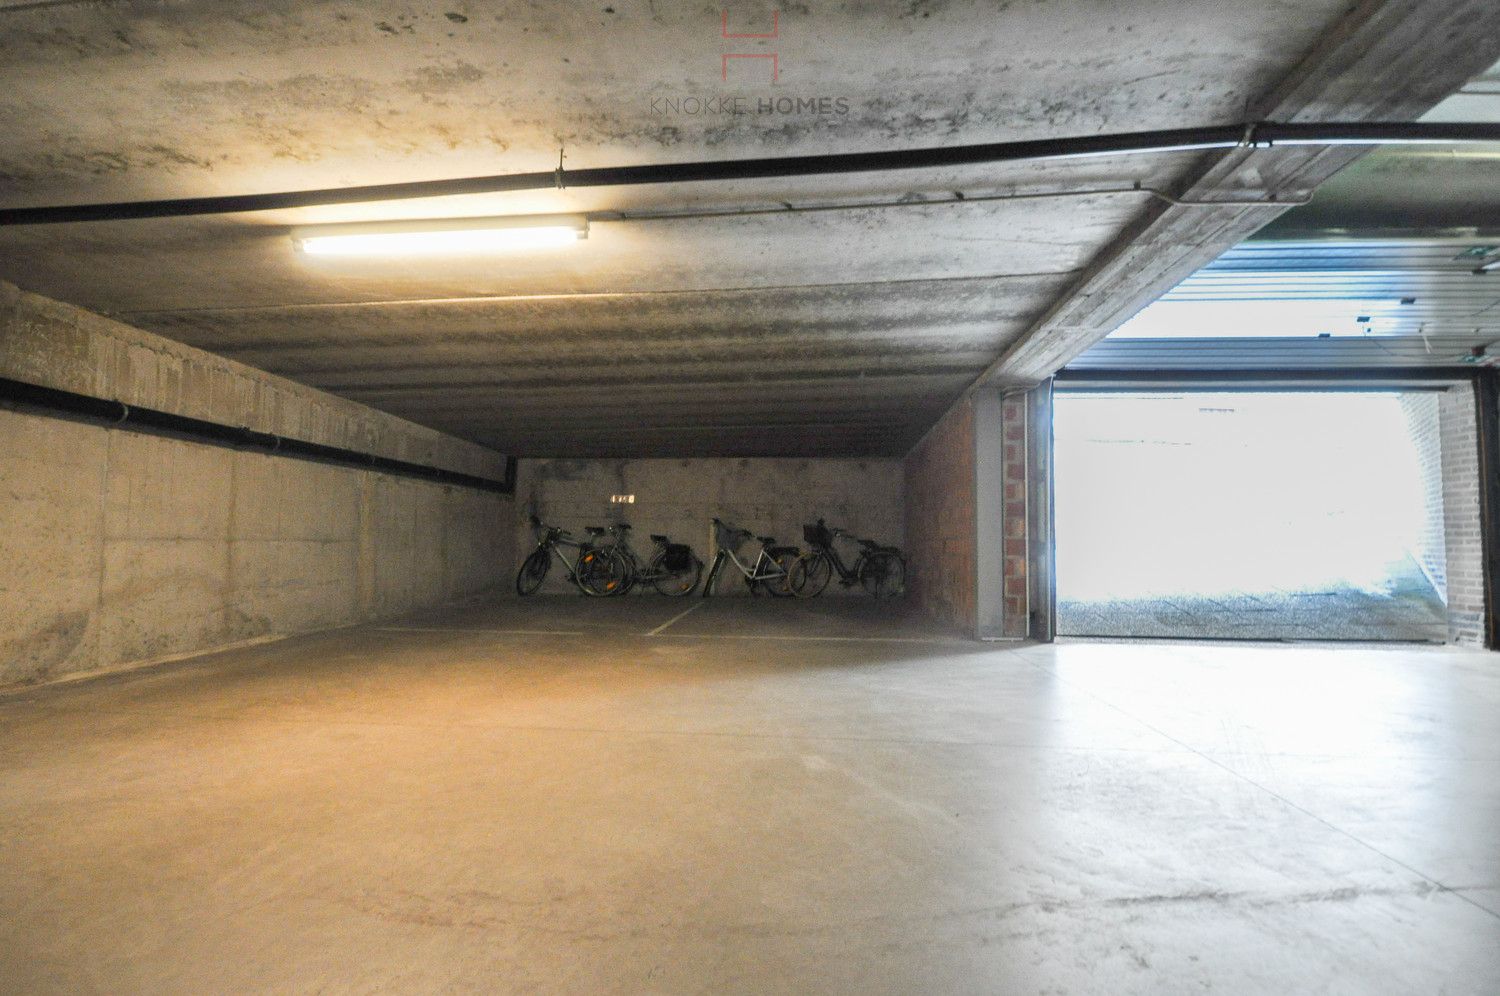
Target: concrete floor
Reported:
point(761, 797)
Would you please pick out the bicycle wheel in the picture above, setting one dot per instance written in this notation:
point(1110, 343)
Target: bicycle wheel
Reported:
point(601, 571)
point(810, 575)
point(675, 583)
point(780, 585)
point(632, 573)
point(533, 572)
point(883, 574)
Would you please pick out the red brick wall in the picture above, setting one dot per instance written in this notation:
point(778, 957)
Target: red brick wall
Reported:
point(1421, 411)
point(942, 532)
point(940, 536)
point(1464, 553)
point(1013, 419)
point(1040, 560)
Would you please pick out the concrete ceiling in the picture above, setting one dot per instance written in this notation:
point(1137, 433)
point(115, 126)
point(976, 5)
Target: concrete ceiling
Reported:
point(842, 331)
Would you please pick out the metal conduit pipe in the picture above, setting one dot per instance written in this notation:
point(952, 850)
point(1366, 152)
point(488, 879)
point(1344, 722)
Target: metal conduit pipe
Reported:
point(955, 197)
point(1253, 135)
point(118, 414)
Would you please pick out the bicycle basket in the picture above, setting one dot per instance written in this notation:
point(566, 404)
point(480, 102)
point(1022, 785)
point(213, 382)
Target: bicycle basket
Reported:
point(678, 557)
point(818, 535)
point(726, 537)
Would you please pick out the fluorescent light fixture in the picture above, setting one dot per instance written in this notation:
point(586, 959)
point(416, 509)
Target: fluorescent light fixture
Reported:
point(441, 236)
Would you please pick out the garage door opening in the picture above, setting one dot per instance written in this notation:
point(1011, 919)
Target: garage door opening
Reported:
point(1315, 516)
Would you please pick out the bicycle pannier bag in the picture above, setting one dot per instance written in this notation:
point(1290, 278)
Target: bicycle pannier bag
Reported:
point(679, 557)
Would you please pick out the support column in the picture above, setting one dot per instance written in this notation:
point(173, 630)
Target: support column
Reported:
point(1017, 574)
point(1014, 455)
point(991, 531)
point(1470, 426)
point(1041, 541)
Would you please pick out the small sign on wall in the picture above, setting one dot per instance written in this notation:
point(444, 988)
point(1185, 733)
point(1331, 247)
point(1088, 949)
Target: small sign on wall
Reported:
point(622, 499)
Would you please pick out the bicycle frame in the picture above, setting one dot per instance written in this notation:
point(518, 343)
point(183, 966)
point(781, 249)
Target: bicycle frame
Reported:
point(847, 575)
point(621, 541)
point(869, 567)
point(763, 569)
point(753, 572)
point(640, 570)
point(554, 543)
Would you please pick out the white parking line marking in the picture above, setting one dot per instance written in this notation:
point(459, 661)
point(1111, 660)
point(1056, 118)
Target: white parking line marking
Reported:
point(489, 632)
point(823, 639)
point(657, 631)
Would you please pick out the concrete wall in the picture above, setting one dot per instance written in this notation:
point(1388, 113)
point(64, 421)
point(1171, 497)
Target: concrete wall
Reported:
point(941, 520)
point(1463, 535)
point(121, 547)
point(773, 497)
point(57, 345)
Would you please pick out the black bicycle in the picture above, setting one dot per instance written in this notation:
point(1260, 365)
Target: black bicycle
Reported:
point(596, 570)
point(673, 569)
point(771, 568)
point(880, 570)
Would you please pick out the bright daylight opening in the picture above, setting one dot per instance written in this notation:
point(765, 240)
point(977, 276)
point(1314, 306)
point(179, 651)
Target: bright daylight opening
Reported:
point(1252, 515)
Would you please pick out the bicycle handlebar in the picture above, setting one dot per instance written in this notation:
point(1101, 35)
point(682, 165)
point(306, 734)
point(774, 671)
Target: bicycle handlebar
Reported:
point(555, 532)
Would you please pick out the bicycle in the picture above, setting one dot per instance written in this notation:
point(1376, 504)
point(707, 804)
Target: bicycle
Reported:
point(771, 568)
point(880, 570)
point(673, 570)
point(595, 570)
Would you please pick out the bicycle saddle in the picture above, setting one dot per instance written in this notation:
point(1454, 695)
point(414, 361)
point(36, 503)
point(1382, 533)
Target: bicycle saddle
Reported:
point(658, 538)
point(767, 540)
point(594, 530)
point(622, 525)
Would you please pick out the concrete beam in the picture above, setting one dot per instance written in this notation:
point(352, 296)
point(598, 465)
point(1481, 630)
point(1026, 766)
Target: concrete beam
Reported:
point(1387, 60)
point(52, 344)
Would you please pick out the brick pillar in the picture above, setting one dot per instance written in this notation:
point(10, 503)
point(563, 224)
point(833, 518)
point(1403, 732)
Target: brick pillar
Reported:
point(1016, 584)
point(1040, 559)
point(978, 496)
